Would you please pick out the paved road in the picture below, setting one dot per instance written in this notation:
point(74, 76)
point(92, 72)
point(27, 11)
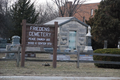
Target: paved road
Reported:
point(55, 78)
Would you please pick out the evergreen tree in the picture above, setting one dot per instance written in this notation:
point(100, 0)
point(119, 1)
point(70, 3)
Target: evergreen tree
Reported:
point(22, 9)
point(5, 19)
point(106, 22)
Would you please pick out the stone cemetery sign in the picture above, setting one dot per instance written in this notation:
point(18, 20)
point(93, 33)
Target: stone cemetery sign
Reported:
point(34, 35)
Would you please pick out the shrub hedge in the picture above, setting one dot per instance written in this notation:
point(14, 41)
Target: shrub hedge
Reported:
point(107, 58)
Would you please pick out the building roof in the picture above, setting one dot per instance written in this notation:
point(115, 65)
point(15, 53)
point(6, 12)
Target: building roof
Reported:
point(63, 20)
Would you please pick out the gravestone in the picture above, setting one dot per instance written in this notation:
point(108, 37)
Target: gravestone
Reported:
point(86, 57)
point(88, 47)
point(15, 40)
point(13, 47)
point(105, 44)
point(48, 49)
point(118, 44)
point(3, 43)
point(61, 57)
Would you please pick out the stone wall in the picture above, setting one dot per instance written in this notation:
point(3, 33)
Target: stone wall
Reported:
point(63, 40)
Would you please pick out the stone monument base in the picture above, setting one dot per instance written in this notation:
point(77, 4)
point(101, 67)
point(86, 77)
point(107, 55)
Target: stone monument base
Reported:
point(88, 49)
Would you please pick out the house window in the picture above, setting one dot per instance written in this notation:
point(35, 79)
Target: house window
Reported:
point(91, 12)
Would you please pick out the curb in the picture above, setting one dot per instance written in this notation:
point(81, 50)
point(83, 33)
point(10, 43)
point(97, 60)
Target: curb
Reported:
point(55, 78)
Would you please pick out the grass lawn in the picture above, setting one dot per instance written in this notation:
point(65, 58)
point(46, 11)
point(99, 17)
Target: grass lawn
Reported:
point(8, 68)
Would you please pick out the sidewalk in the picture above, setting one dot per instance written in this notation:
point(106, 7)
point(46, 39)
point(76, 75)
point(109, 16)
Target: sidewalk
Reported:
point(55, 78)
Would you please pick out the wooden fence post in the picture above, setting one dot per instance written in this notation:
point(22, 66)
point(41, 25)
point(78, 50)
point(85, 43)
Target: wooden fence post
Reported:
point(18, 56)
point(55, 45)
point(78, 58)
point(23, 43)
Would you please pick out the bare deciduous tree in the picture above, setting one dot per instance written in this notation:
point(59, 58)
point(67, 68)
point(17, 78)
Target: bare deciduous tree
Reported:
point(66, 8)
point(47, 12)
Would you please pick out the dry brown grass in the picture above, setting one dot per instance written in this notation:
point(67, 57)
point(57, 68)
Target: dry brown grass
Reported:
point(8, 68)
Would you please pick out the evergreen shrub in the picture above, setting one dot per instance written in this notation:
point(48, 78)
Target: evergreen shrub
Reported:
point(107, 58)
